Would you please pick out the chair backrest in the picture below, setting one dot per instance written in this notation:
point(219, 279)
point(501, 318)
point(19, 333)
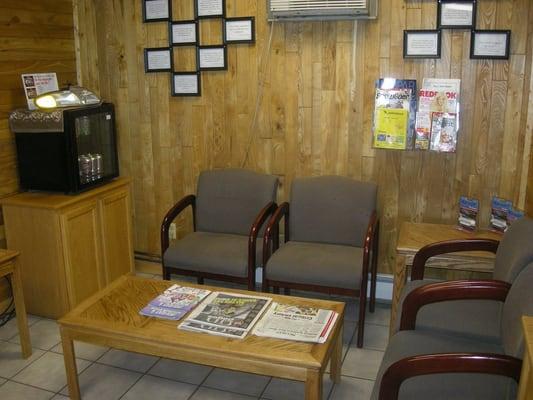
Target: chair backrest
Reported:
point(331, 209)
point(229, 200)
point(515, 250)
point(519, 302)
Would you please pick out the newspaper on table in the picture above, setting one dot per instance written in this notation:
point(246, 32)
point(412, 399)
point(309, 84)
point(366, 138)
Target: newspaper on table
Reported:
point(226, 314)
point(291, 322)
point(174, 302)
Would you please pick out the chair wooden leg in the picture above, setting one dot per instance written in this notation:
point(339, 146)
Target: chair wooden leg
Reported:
point(200, 280)
point(374, 270)
point(166, 274)
point(361, 323)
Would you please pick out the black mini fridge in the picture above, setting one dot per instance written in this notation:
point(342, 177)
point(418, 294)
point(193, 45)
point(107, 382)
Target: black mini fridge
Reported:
point(66, 150)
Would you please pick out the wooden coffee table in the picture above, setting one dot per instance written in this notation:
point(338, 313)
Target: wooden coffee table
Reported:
point(111, 318)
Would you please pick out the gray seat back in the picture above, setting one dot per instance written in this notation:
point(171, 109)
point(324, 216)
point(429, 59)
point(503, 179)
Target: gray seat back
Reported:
point(519, 302)
point(331, 209)
point(515, 250)
point(229, 200)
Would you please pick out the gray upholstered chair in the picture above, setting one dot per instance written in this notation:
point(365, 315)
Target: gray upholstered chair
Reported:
point(229, 210)
point(331, 232)
point(431, 364)
point(475, 318)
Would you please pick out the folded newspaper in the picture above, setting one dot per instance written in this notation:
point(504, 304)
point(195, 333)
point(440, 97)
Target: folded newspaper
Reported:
point(174, 302)
point(306, 324)
point(226, 314)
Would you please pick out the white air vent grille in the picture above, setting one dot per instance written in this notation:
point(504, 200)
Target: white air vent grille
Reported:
point(321, 9)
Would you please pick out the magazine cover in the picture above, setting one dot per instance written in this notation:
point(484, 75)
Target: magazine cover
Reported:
point(468, 210)
point(443, 132)
point(423, 130)
point(498, 214)
point(512, 215)
point(174, 303)
point(432, 100)
point(442, 84)
point(391, 128)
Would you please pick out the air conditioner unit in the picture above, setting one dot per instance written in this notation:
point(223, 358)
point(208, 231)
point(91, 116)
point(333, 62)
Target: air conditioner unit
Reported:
point(298, 10)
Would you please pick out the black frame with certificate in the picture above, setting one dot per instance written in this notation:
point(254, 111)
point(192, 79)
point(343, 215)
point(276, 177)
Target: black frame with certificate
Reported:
point(241, 34)
point(194, 77)
point(193, 27)
point(148, 18)
point(413, 53)
point(462, 8)
point(221, 65)
point(220, 3)
point(503, 44)
point(147, 68)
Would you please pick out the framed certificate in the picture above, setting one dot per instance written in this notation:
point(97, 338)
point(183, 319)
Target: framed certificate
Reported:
point(490, 44)
point(421, 44)
point(158, 59)
point(156, 10)
point(209, 9)
point(239, 30)
point(186, 84)
point(456, 14)
point(183, 33)
point(212, 58)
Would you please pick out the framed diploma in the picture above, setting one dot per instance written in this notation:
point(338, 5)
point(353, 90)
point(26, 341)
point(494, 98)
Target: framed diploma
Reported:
point(211, 58)
point(183, 33)
point(158, 59)
point(156, 10)
point(421, 44)
point(490, 44)
point(209, 9)
point(239, 30)
point(456, 14)
point(186, 84)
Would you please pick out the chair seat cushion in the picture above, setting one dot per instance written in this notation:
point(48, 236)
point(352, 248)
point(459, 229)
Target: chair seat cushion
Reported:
point(217, 253)
point(442, 386)
point(317, 264)
point(475, 319)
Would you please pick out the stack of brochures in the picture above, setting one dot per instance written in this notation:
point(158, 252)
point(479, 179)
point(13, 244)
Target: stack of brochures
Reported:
point(175, 302)
point(291, 322)
point(226, 314)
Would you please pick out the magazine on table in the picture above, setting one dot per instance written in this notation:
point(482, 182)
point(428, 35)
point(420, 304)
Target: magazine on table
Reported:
point(468, 210)
point(498, 214)
point(226, 314)
point(174, 302)
point(291, 322)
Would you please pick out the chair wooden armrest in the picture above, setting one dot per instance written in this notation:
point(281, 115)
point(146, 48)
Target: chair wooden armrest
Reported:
point(494, 364)
point(448, 246)
point(260, 220)
point(189, 200)
point(450, 290)
point(272, 232)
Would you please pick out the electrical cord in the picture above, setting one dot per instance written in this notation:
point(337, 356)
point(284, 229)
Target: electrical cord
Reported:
point(9, 312)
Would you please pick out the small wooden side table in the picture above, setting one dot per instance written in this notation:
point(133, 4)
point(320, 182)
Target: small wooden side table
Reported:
point(9, 266)
point(413, 236)
point(525, 390)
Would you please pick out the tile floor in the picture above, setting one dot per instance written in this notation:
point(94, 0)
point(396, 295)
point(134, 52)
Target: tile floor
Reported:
point(107, 374)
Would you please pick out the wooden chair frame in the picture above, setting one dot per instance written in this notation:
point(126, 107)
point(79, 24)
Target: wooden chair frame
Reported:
point(190, 200)
point(271, 244)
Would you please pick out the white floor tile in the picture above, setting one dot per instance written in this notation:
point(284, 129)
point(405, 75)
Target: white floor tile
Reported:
point(180, 371)
point(2, 381)
point(48, 372)
point(380, 316)
point(10, 329)
point(16, 391)
point(237, 382)
point(204, 393)
point(60, 397)
point(361, 363)
point(284, 389)
point(44, 334)
point(127, 360)
point(376, 337)
point(351, 389)
point(11, 361)
point(85, 351)
point(151, 387)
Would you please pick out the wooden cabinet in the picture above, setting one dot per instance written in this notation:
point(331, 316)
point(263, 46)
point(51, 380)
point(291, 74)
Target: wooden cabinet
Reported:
point(71, 246)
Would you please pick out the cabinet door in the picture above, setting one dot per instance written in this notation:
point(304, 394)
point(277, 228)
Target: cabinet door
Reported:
point(82, 251)
point(116, 233)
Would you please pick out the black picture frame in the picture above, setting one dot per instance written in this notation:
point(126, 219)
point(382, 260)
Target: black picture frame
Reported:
point(490, 54)
point(146, 17)
point(228, 40)
point(175, 93)
point(205, 16)
point(199, 63)
point(185, 43)
point(147, 52)
point(443, 4)
point(411, 53)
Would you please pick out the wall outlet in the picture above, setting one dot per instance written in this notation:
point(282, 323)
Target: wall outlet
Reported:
point(172, 231)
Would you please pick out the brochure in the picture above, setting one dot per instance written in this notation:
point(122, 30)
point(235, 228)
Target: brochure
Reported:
point(391, 128)
point(498, 215)
point(306, 324)
point(513, 215)
point(468, 210)
point(226, 314)
point(174, 303)
point(443, 132)
point(37, 84)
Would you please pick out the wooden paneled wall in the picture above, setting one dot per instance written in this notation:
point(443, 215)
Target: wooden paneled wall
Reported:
point(299, 103)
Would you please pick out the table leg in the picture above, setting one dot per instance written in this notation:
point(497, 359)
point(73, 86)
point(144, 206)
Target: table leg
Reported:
point(70, 365)
point(313, 385)
point(399, 282)
point(336, 358)
point(20, 308)
point(525, 389)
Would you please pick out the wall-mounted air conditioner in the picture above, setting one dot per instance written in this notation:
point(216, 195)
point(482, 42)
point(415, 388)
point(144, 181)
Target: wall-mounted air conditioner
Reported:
point(297, 10)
